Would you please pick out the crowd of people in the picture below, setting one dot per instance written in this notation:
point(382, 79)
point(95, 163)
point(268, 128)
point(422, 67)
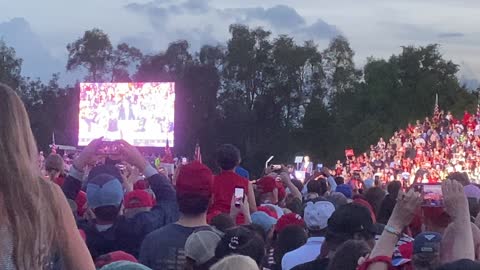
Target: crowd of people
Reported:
point(121, 212)
point(426, 152)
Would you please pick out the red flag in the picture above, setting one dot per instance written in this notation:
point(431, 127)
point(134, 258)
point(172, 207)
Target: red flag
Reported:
point(198, 154)
point(168, 157)
point(349, 153)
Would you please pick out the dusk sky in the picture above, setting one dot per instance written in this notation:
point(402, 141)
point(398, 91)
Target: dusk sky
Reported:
point(40, 30)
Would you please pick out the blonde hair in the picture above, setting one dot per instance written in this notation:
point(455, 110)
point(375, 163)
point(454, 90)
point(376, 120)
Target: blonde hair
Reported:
point(31, 215)
point(235, 262)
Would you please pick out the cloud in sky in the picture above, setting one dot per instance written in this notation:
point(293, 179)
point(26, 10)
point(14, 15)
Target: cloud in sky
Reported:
point(200, 23)
point(374, 27)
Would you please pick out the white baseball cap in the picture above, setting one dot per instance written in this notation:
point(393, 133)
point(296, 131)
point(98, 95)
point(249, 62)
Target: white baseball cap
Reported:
point(316, 214)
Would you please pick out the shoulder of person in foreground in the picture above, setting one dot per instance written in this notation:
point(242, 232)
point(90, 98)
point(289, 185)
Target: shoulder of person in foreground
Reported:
point(154, 247)
point(464, 264)
point(71, 245)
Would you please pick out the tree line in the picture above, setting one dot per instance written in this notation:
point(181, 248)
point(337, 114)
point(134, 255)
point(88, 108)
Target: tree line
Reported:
point(269, 95)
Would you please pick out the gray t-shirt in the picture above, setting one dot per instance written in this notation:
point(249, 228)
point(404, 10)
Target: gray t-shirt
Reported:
point(6, 250)
point(164, 249)
point(6, 254)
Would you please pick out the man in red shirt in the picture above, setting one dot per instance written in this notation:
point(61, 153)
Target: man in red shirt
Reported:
point(228, 157)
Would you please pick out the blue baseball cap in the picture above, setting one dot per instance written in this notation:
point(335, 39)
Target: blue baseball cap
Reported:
point(104, 190)
point(263, 220)
point(345, 190)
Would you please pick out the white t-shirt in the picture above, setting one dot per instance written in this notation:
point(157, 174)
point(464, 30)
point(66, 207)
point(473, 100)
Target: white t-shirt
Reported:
point(306, 253)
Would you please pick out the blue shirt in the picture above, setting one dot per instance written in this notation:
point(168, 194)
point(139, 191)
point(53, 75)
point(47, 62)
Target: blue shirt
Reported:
point(242, 172)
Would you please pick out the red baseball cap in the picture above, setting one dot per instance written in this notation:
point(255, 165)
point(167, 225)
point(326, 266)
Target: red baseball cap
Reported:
point(138, 199)
point(289, 219)
point(281, 191)
point(141, 184)
point(195, 178)
point(266, 184)
point(114, 256)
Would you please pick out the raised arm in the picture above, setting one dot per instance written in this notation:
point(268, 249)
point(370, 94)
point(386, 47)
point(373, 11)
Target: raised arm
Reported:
point(73, 182)
point(251, 198)
point(288, 183)
point(458, 240)
point(159, 183)
point(403, 213)
point(330, 179)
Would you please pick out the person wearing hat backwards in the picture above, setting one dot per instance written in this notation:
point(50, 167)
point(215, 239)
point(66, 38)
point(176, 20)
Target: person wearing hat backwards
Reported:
point(316, 215)
point(350, 221)
point(426, 251)
point(109, 230)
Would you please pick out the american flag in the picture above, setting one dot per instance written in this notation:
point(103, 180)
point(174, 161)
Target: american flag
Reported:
point(436, 110)
point(478, 107)
point(168, 157)
point(198, 154)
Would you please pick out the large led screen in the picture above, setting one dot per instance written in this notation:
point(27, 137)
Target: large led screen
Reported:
point(140, 113)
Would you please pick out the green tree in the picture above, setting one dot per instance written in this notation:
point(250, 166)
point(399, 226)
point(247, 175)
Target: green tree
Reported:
point(339, 67)
point(10, 66)
point(93, 51)
point(122, 58)
point(246, 76)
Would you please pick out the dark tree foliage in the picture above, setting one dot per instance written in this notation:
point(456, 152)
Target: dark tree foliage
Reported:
point(267, 95)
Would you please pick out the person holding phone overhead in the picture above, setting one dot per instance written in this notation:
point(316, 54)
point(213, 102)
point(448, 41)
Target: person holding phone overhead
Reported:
point(224, 185)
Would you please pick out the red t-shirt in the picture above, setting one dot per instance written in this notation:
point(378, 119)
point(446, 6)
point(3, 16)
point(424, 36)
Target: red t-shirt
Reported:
point(224, 186)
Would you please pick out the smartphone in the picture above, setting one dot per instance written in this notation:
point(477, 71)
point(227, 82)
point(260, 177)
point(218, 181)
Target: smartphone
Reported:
point(184, 161)
point(108, 148)
point(239, 196)
point(319, 167)
point(432, 195)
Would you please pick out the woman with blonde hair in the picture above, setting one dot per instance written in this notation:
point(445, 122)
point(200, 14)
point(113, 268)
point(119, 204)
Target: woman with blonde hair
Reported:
point(37, 224)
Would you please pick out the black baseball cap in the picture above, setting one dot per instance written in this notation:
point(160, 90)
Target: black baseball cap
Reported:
point(350, 219)
point(427, 242)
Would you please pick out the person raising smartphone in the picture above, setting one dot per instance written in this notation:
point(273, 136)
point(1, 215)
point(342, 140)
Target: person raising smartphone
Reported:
point(111, 231)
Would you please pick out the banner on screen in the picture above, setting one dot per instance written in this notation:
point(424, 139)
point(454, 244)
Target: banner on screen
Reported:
point(140, 113)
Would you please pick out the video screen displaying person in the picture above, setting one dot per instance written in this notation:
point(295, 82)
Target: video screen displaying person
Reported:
point(140, 113)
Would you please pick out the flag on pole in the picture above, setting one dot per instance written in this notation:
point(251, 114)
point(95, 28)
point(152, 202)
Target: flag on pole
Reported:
point(436, 110)
point(53, 147)
point(168, 157)
point(478, 107)
point(198, 154)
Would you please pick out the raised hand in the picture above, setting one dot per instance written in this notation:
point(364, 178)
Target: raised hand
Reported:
point(88, 155)
point(405, 208)
point(131, 155)
point(456, 204)
point(244, 208)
